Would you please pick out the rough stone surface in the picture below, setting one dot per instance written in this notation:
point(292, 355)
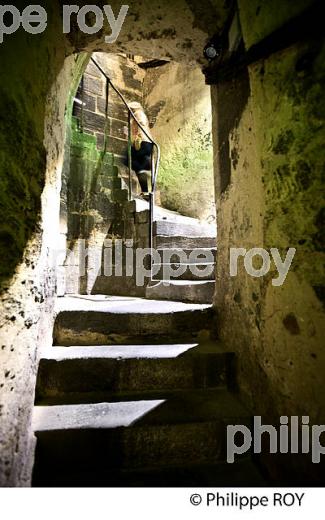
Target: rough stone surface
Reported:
point(185, 291)
point(177, 30)
point(104, 320)
point(273, 199)
point(34, 92)
point(76, 373)
point(277, 332)
point(135, 434)
point(179, 107)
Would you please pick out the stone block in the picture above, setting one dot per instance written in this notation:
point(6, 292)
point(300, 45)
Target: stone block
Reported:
point(130, 368)
point(93, 85)
point(142, 217)
point(91, 122)
point(89, 100)
point(116, 128)
point(92, 70)
point(114, 145)
point(142, 230)
point(115, 110)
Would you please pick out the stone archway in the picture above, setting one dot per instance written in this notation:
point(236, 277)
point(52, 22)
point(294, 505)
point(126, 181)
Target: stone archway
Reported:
point(282, 328)
point(37, 74)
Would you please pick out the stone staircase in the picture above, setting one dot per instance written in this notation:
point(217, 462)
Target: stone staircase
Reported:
point(187, 249)
point(134, 393)
point(185, 270)
point(184, 255)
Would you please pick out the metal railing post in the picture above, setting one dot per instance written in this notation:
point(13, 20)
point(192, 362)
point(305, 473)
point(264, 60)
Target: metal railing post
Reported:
point(129, 155)
point(106, 115)
point(151, 224)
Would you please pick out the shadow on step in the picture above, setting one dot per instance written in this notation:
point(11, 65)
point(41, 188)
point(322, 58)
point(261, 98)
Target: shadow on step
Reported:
point(179, 441)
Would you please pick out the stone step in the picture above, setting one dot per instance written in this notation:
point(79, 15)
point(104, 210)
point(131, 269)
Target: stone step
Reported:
point(181, 242)
point(118, 285)
point(201, 292)
point(181, 229)
point(192, 256)
point(104, 320)
point(134, 183)
point(110, 182)
point(137, 205)
point(124, 174)
point(121, 195)
point(179, 271)
point(243, 473)
point(187, 429)
point(79, 371)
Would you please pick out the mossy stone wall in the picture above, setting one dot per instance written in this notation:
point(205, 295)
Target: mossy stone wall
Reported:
point(274, 199)
point(179, 106)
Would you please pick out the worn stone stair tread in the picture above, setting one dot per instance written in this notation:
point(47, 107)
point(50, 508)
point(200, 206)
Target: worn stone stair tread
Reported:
point(217, 405)
point(169, 228)
point(164, 215)
point(243, 473)
point(161, 213)
point(184, 242)
point(101, 321)
point(194, 272)
point(188, 251)
point(180, 264)
point(86, 373)
point(156, 351)
point(173, 255)
point(137, 205)
point(147, 351)
point(182, 290)
point(123, 305)
point(66, 398)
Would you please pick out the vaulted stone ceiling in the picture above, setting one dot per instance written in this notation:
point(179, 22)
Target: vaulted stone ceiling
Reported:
point(176, 29)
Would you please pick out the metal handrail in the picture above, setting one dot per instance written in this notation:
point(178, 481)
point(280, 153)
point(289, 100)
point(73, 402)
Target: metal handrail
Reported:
point(154, 164)
point(131, 113)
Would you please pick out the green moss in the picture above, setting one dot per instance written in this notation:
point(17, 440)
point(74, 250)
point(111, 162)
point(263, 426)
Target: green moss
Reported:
point(29, 66)
point(259, 18)
point(186, 173)
point(292, 146)
point(22, 166)
point(90, 177)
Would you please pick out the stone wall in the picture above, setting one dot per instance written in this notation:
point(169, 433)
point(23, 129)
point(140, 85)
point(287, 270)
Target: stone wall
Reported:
point(128, 78)
point(273, 117)
point(94, 197)
point(281, 363)
point(179, 107)
point(33, 96)
point(35, 86)
point(99, 217)
point(91, 210)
